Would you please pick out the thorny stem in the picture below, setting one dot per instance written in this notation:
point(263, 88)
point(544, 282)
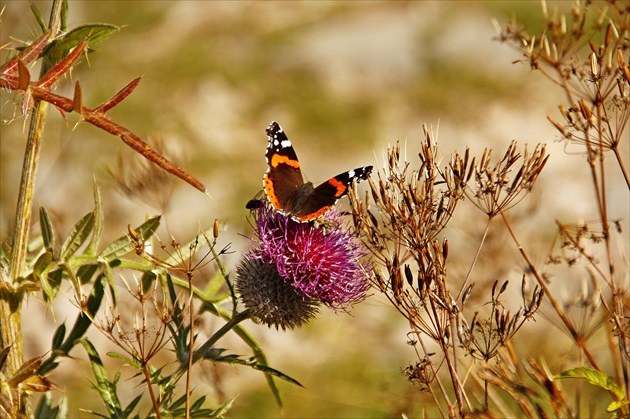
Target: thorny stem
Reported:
point(10, 302)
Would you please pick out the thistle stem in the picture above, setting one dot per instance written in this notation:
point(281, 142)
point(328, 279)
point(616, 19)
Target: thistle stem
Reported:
point(10, 300)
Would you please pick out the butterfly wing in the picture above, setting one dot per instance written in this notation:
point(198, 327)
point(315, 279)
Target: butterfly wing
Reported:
point(284, 176)
point(325, 196)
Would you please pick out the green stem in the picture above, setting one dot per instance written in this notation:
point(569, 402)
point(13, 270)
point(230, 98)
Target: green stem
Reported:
point(10, 298)
point(238, 317)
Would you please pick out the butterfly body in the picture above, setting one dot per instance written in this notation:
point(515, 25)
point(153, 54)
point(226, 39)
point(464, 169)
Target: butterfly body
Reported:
point(285, 186)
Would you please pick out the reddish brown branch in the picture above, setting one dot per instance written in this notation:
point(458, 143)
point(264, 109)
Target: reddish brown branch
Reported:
point(40, 91)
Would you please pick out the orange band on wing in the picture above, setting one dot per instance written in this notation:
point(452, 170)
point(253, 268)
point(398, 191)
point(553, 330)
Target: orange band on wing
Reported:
point(319, 213)
point(278, 159)
point(271, 193)
point(340, 186)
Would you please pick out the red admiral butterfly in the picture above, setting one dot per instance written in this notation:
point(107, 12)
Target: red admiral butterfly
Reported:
point(285, 186)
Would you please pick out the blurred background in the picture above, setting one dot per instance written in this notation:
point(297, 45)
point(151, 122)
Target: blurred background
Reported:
point(345, 80)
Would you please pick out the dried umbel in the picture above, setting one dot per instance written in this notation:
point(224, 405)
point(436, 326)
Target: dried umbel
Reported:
point(497, 188)
point(299, 266)
point(412, 205)
point(408, 209)
point(401, 221)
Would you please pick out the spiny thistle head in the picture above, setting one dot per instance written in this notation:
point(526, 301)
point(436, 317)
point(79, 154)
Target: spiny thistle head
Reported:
point(269, 298)
point(293, 260)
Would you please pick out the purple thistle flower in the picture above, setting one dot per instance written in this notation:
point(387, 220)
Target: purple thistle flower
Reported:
point(323, 264)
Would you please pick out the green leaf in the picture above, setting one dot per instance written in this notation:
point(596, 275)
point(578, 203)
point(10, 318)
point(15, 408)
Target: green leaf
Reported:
point(105, 388)
point(41, 264)
point(80, 326)
point(614, 406)
point(64, 16)
point(85, 272)
point(58, 337)
point(45, 409)
point(594, 377)
point(47, 232)
point(51, 283)
point(129, 361)
point(84, 321)
point(40, 267)
point(77, 236)
point(38, 17)
point(98, 221)
point(147, 281)
point(140, 266)
point(109, 277)
point(224, 408)
point(95, 32)
point(233, 359)
point(131, 406)
point(124, 244)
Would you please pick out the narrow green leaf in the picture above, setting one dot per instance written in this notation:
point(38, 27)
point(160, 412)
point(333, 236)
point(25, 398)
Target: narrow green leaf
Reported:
point(232, 359)
point(109, 277)
point(261, 358)
point(47, 232)
point(42, 263)
point(81, 324)
point(178, 403)
point(84, 321)
point(58, 337)
point(64, 16)
point(38, 17)
point(95, 33)
point(594, 377)
point(147, 280)
point(105, 388)
point(73, 280)
point(124, 244)
point(616, 405)
point(85, 273)
point(198, 403)
point(131, 406)
point(53, 279)
point(129, 361)
point(77, 236)
point(46, 410)
point(98, 221)
point(224, 408)
point(140, 266)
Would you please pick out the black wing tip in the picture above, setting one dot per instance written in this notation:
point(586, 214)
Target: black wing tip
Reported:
point(273, 128)
point(364, 172)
